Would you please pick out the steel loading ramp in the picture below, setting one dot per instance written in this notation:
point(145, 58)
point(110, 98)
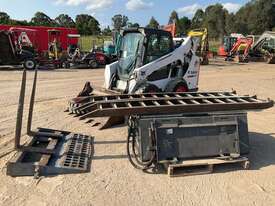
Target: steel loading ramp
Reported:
point(167, 103)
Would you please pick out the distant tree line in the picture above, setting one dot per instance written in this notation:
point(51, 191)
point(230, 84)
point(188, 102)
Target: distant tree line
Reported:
point(86, 24)
point(255, 17)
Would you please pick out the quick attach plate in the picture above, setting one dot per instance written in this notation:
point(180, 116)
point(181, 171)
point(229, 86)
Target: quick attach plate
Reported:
point(72, 154)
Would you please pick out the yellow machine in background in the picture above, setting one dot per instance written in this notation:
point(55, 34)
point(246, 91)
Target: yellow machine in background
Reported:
point(201, 37)
point(55, 51)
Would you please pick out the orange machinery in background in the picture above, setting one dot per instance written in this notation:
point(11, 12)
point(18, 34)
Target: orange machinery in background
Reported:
point(240, 50)
point(171, 28)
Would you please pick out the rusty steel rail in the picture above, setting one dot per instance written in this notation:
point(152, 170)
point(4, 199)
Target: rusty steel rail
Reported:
point(162, 103)
point(76, 104)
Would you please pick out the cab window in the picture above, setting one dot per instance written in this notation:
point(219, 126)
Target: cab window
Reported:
point(157, 47)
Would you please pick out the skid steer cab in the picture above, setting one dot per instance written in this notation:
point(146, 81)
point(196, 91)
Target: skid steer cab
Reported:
point(148, 62)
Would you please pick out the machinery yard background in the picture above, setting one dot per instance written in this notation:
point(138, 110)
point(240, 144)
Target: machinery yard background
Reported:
point(112, 180)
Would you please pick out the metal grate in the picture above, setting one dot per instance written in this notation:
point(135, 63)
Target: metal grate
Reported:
point(78, 153)
point(161, 103)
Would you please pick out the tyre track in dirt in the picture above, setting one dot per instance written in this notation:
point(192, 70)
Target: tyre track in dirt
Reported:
point(112, 180)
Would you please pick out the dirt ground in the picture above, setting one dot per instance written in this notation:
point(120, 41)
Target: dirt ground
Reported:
point(112, 180)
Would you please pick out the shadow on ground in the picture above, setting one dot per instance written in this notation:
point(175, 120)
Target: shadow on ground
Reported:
point(261, 153)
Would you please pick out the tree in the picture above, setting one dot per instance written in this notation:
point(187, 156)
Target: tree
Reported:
point(230, 23)
point(87, 24)
point(183, 25)
point(153, 23)
point(133, 25)
point(107, 31)
point(19, 23)
point(255, 17)
point(64, 20)
point(119, 21)
point(174, 18)
point(4, 18)
point(198, 19)
point(214, 20)
point(41, 19)
point(242, 18)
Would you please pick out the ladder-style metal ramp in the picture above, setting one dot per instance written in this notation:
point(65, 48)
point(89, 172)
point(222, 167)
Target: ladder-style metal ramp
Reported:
point(167, 103)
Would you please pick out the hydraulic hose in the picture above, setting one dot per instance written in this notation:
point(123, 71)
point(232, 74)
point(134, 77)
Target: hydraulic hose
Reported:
point(133, 158)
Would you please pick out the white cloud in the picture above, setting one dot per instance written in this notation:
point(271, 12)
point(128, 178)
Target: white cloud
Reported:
point(189, 10)
point(134, 5)
point(231, 7)
point(90, 4)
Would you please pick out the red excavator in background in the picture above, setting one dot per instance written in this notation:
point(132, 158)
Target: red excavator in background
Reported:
point(240, 50)
point(228, 42)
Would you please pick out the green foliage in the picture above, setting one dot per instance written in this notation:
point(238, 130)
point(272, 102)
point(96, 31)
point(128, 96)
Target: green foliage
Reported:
point(87, 25)
point(153, 23)
point(107, 31)
point(133, 25)
point(174, 18)
point(256, 17)
point(41, 19)
point(20, 23)
point(183, 25)
point(4, 18)
point(198, 19)
point(214, 45)
point(230, 23)
point(88, 42)
point(119, 21)
point(214, 20)
point(64, 20)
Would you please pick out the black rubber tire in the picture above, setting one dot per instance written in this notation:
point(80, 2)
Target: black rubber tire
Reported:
point(269, 59)
point(151, 89)
point(93, 64)
point(205, 61)
point(29, 64)
point(66, 65)
point(180, 84)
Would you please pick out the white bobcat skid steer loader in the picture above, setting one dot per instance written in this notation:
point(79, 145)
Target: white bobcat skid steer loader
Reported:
point(148, 61)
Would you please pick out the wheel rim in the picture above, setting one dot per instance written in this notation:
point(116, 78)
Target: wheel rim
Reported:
point(64, 65)
point(93, 64)
point(181, 89)
point(29, 64)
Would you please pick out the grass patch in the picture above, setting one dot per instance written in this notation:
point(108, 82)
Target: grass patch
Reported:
point(88, 42)
point(214, 45)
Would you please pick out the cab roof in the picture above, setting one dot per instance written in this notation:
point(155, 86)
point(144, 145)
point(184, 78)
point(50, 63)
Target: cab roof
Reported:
point(146, 31)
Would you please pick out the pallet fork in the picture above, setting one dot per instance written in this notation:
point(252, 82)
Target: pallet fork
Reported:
point(49, 152)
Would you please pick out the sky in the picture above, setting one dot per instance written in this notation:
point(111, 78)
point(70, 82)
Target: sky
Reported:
point(139, 11)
